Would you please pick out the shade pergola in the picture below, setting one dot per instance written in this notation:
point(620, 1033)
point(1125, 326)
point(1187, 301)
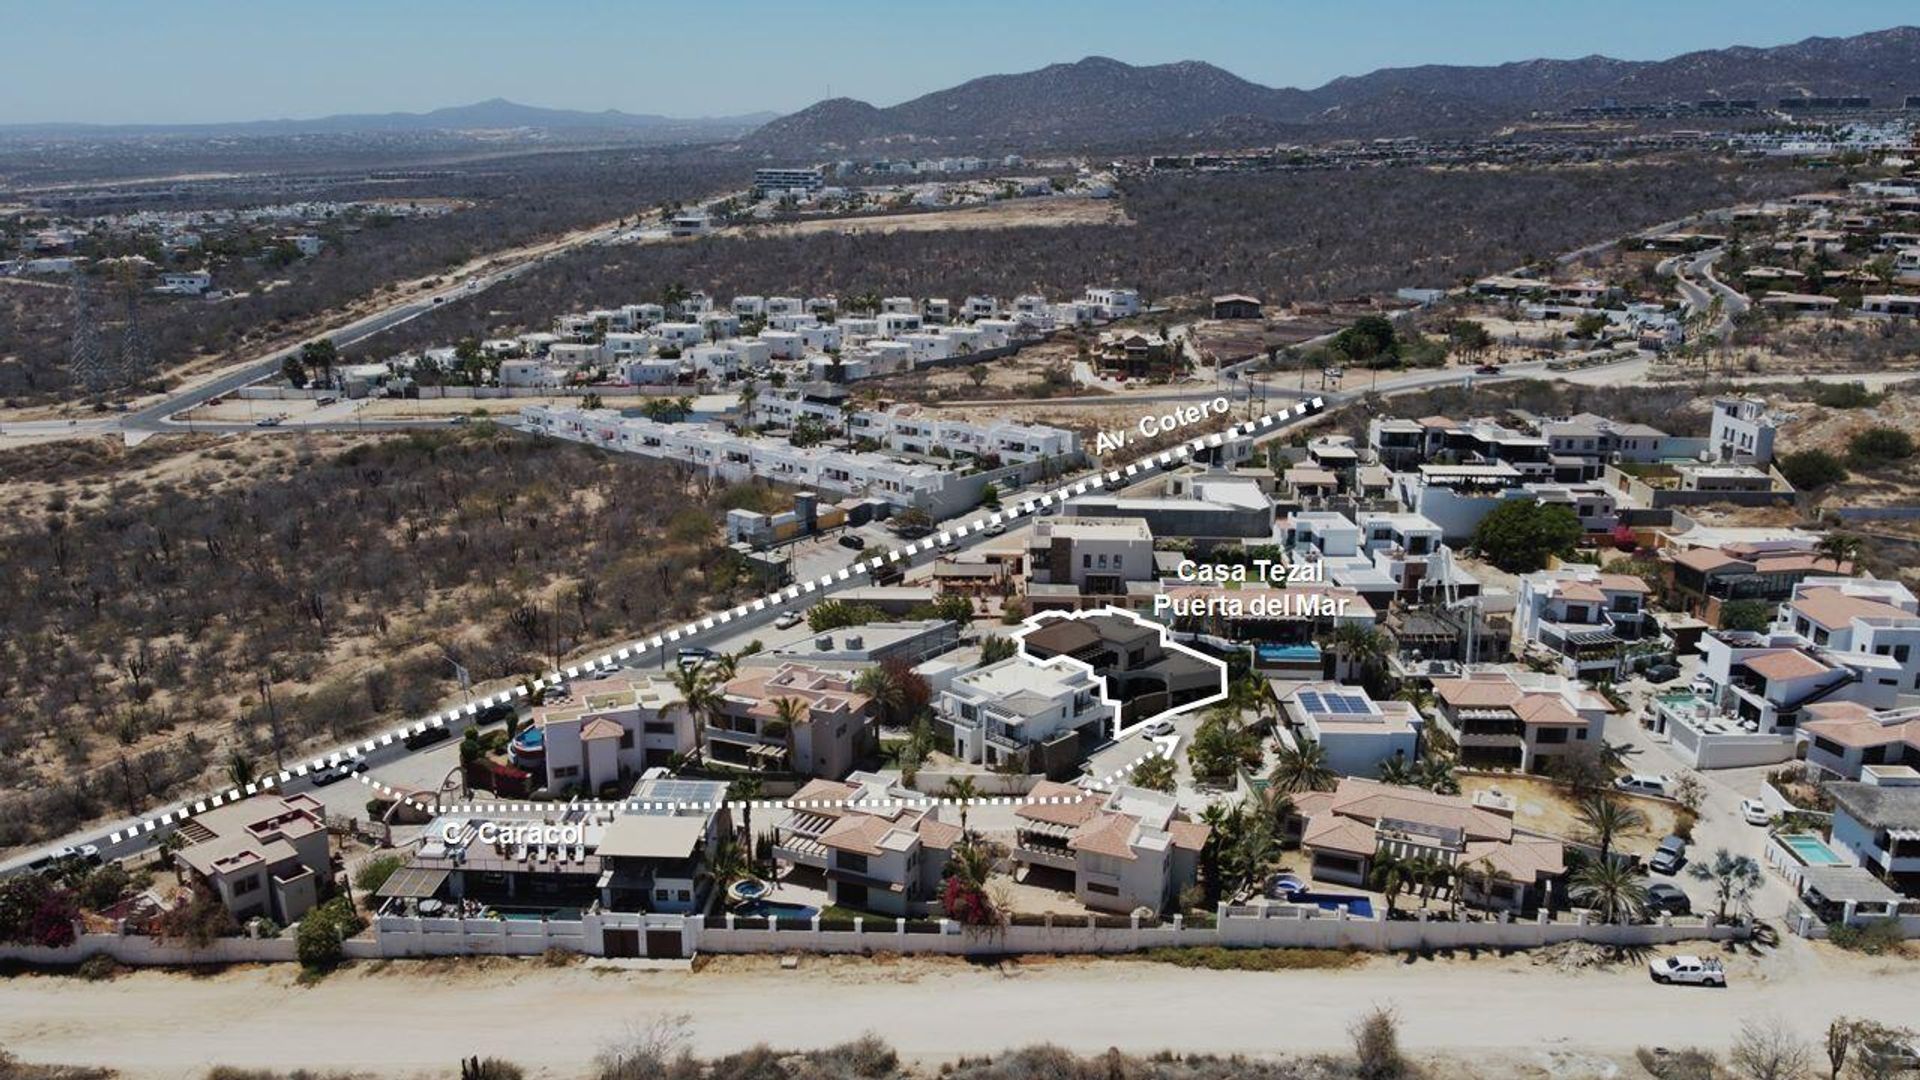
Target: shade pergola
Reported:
point(412, 883)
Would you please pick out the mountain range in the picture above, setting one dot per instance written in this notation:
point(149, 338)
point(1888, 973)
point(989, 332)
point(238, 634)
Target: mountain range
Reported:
point(1099, 101)
point(496, 114)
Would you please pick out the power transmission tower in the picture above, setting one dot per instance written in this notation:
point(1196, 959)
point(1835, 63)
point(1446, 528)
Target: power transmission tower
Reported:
point(86, 355)
point(136, 353)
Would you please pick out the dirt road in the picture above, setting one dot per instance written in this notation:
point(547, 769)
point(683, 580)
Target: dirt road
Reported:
point(413, 1017)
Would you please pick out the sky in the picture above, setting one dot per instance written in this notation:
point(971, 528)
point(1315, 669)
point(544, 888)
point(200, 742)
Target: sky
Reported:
point(133, 61)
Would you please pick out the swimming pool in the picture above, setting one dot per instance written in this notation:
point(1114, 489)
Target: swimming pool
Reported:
point(1357, 906)
point(1811, 850)
point(527, 915)
point(776, 909)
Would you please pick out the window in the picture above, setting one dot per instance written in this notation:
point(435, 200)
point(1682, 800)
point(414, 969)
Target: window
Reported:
point(245, 885)
point(850, 860)
point(1103, 889)
point(566, 772)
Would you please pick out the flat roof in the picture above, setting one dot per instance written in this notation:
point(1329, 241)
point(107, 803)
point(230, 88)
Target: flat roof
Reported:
point(653, 836)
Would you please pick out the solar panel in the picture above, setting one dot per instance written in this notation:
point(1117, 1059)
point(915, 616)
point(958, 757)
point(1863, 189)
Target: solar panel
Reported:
point(1310, 701)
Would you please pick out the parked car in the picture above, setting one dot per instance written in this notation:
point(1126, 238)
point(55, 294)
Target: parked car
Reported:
point(86, 853)
point(1669, 857)
point(788, 620)
point(1662, 673)
point(267, 421)
point(1668, 897)
point(1643, 784)
point(1688, 970)
point(1890, 1056)
point(694, 656)
point(345, 770)
point(461, 420)
point(1487, 369)
point(849, 540)
point(1755, 812)
point(493, 714)
point(949, 547)
point(420, 739)
point(1159, 729)
point(996, 528)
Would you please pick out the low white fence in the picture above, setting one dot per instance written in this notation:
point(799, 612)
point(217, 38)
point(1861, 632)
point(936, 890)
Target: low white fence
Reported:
point(1276, 926)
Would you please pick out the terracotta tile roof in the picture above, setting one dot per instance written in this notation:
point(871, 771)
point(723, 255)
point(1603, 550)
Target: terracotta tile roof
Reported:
point(1188, 835)
point(1579, 590)
point(1632, 583)
point(831, 792)
point(1106, 834)
point(935, 833)
point(1477, 693)
point(1370, 800)
point(1546, 710)
point(1786, 664)
point(858, 833)
point(1786, 563)
point(602, 728)
point(1079, 808)
point(1854, 725)
point(1331, 832)
point(1706, 559)
point(1832, 608)
point(1525, 859)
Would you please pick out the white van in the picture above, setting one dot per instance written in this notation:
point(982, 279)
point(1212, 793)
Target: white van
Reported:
point(1643, 784)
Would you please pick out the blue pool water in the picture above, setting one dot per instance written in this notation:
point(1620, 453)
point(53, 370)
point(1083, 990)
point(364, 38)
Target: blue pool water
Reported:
point(1274, 654)
point(557, 915)
point(784, 912)
point(1812, 850)
point(1358, 906)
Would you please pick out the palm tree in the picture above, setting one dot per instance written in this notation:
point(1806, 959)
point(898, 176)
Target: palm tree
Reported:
point(745, 790)
point(727, 864)
point(1399, 771)
point(789, 714)
point(1611, 889)
point(722, 668)
point(1255, 846)
point(1388, 874)
point(1842, 548)
point(962, 790)
point(880, 684)
point(1435, 773)
point(1303, 768)
point(239, 769)
point(1218, 817)
point(1606, 819)
point(1479, 876)
point(1358, 647)
point(749, 394)
point(1733, 877)
point(702, 699)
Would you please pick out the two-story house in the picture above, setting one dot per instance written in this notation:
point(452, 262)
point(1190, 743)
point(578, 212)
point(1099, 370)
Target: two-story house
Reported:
point(1026, 714)
point(1580, 617)
point(1859, 616)
point(821, 733)
point(263, 856)
point(1358, 734)
point(880, 847)
point(1877, 819)
point(611, 729)
point(1518, 719)
point(1346, 829)
point(1126, 850)
point(1842, 738)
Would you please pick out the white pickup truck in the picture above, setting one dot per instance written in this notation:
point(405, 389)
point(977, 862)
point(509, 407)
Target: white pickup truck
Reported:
point(1687, 969)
